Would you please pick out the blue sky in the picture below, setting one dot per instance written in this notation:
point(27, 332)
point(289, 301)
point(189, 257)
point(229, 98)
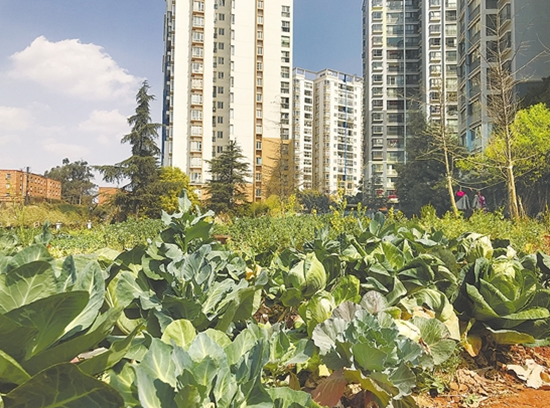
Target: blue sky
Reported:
point(69, 70)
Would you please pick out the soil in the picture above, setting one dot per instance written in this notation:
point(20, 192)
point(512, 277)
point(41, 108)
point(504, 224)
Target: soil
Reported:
point(486, 382)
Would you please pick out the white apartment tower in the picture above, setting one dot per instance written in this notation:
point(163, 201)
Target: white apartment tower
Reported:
point(392, 70)
point(439, 57)
point(227, 70)
point(327, 131)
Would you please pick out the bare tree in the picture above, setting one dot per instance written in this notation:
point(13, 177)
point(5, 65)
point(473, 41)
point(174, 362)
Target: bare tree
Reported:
point(503, 103)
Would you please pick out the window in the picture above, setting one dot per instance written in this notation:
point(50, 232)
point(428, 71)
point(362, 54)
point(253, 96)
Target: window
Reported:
point(285, 11)
point(196, 130)
point(196, 99)
point(450, 15)
point(435, 69)
point(259, 161)
point(286, 26)
point(221, 16)
point(450, 55)
point(377, 27)
point(377, 53)
point(434, 28)
point(285, 56)
point(435, 56)
point(258, 145)
point(196, 146)
point(197, 51)
point(285, 72)
point(435, 83)
point(221, 46)
point(198, 21)
point(377, 15)
point(220, 89)
point(196, 67)
point(377, 66)
point(285, 41)
point(435, 42)
point(196, 114)
point(220, 134)
point(198, 36)
point(221, 60)
point(220, 119)
point(450, 29)
point(221, 31)
point(377, 78)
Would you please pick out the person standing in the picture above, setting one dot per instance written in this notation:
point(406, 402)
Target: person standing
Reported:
point(463, 202)
point(478, 202)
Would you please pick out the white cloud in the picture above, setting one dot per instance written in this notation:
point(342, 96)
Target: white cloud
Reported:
point(8, 140)
point(14, 119)
point(85, 71)
point(108, 126)
point(65, 149)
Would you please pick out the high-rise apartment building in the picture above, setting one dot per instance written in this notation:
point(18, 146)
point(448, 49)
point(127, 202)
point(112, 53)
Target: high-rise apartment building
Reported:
point(439, 62)
point(227, 69)
point(392, 70)
point(511, 31)
point(327, 131)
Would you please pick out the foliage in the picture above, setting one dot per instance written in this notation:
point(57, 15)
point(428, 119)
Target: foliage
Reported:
point(373, 350)
point(21, 216)
point(227, 188)
point(140, 197)
point(76, 181)
point(529, 144)
point(182, 320)
point(206, 369)
point(422, 179)
point(50, 313)
point(314, 201)
point(504, 294)
point(173, 182)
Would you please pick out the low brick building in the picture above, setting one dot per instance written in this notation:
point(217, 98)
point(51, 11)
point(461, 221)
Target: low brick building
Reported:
point(15, 185)
point(105, 194)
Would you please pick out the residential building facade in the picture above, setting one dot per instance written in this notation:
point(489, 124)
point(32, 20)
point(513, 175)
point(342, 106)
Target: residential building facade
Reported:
point(490, 32)
point(327, 131)
point(439, 62)
point(227, 69)
point(19, 185)
point(392, 68)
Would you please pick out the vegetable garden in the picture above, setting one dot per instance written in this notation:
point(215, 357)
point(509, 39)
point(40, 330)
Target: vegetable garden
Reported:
point(181, 320)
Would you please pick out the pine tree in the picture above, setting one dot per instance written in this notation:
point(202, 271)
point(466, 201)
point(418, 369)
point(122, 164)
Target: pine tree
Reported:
point(230, 171)
point(141, 196)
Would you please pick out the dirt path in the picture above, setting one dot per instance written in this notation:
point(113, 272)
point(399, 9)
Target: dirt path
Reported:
point(494, 385)
point(527, 398)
